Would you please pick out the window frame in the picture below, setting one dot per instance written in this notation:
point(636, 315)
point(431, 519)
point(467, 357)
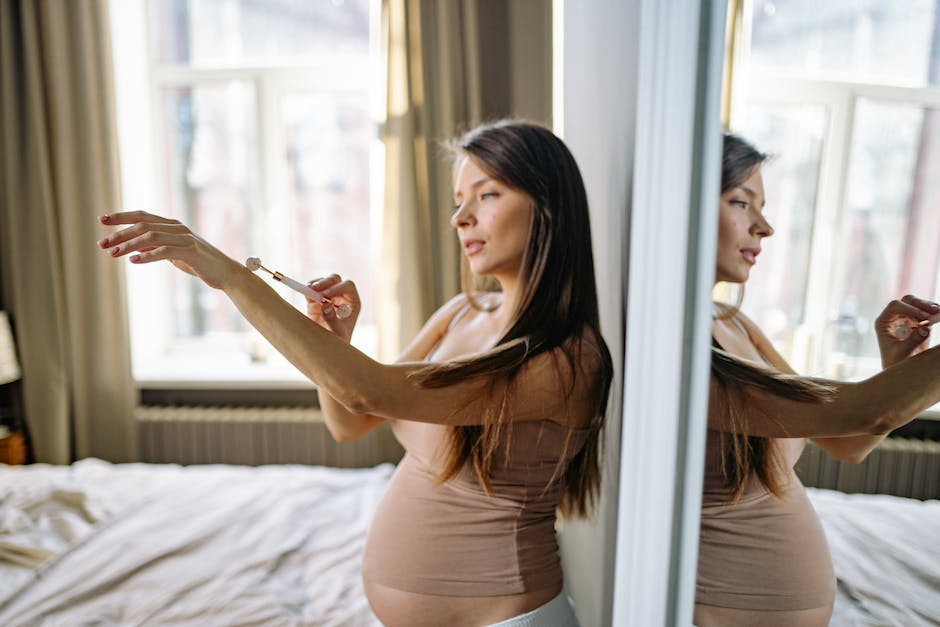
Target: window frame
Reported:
point(221, 362)
point(839, 99)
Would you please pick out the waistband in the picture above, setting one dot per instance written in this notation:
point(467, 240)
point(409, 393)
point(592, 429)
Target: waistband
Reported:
point(556, 613)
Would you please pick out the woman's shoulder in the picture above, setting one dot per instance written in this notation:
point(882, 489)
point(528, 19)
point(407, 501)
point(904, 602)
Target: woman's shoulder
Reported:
point(756, 337)
point(434, 329)
point(581, 358)
point(736, 321)
point(590, 339)
point(751, 326)
point(449, 313)
point(464, 303)
point(451, 307)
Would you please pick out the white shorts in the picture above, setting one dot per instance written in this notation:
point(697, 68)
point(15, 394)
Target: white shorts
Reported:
point(556, 613)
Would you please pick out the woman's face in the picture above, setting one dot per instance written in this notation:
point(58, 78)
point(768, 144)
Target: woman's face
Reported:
point(492, 221)
point(741, 227)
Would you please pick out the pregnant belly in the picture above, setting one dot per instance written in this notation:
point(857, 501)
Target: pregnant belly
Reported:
point(409, 609)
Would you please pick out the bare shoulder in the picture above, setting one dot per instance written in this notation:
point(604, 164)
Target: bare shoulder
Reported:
point(464, 308)
point(446, 312)
point(764, 346)
point(434, 329)
point(740, 336)
point(750, 326)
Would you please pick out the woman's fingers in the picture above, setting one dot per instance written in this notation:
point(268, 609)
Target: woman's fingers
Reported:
point(148, 239)
point(138, 229)
point(131, 217)
point(152, 238)
point(158, 253)
point(325, 282)
point(333, 286)
point(928, 307)
point(903, 327)
point(340, 313)
point(915, 313)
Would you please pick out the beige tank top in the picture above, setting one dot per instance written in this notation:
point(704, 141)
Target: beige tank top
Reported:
point(454, 539)
point(762, 552)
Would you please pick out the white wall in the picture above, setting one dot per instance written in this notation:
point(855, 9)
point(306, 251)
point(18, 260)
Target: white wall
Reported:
point(597, 76)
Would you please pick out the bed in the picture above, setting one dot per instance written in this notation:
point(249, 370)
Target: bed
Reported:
point(142, 544)
point(162, 544)
point(886, 553)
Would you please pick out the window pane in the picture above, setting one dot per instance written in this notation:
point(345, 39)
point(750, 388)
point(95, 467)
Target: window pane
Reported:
point(793, 136)
point(861, 40)
point(210, 142)
point(213, 33)
point(890, 235)
point(327, 137)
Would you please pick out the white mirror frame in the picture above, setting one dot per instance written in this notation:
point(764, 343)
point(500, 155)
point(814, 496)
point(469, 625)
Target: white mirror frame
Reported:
point(640, 92)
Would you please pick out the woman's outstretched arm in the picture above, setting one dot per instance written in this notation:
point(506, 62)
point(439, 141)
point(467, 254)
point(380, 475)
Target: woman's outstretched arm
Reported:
point(364, 386)
point(859, 415)
point(357, 382)
point(875, 406)
point(343, 424)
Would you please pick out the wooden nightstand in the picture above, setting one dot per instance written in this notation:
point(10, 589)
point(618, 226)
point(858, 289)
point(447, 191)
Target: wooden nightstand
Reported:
point(13, 448)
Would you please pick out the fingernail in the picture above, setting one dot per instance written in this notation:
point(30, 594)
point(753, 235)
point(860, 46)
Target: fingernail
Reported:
point(115, 250)
point(327, 309)
point(923, 332)
point(103, 242)
point(105, 217)
point(135, 258)
point(934, 306)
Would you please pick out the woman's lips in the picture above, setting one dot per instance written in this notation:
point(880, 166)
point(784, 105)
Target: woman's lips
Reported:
point(472, 246)
point(750, 255)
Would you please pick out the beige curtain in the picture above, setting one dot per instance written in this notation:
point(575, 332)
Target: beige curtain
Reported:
point(735, 37)
point(58, 170)
point(434, 93)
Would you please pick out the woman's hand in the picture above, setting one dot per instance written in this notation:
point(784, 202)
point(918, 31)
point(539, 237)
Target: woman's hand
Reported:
point(339, 292)
point(152, 238)
point(908, 311)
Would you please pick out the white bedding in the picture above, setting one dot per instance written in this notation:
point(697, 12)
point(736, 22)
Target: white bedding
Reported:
point(135, 544)
point(143, 544)
point(886, 553)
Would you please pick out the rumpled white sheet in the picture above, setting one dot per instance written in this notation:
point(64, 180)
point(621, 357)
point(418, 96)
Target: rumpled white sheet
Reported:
point(136, 544)
point(886, 554)
point(142, 544)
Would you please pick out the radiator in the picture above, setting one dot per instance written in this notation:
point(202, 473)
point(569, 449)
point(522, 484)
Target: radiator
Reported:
point(899, 466)
point(253, 436)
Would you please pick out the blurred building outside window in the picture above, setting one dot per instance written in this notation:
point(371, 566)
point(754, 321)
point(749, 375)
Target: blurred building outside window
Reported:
point(845, 95)
point(254, 122)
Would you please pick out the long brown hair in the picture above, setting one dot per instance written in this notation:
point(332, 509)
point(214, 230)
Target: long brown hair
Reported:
point(744, 454)
point(558, 305)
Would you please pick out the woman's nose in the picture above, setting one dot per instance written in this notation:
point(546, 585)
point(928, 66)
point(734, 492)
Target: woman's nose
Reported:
point(462, 216)
point(762, 227)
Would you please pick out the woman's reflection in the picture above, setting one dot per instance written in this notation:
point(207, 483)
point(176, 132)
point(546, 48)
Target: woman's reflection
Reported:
point(763, 556)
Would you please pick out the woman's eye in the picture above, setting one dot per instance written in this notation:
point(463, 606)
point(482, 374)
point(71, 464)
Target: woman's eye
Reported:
point(486, 195)
point(740, 203)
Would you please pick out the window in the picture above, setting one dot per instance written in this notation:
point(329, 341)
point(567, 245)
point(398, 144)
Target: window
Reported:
point(845, 95)
point(253, 122)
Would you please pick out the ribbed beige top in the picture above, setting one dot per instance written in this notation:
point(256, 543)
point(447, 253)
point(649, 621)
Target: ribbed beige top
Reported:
point(762, 552)
point(453, 539)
